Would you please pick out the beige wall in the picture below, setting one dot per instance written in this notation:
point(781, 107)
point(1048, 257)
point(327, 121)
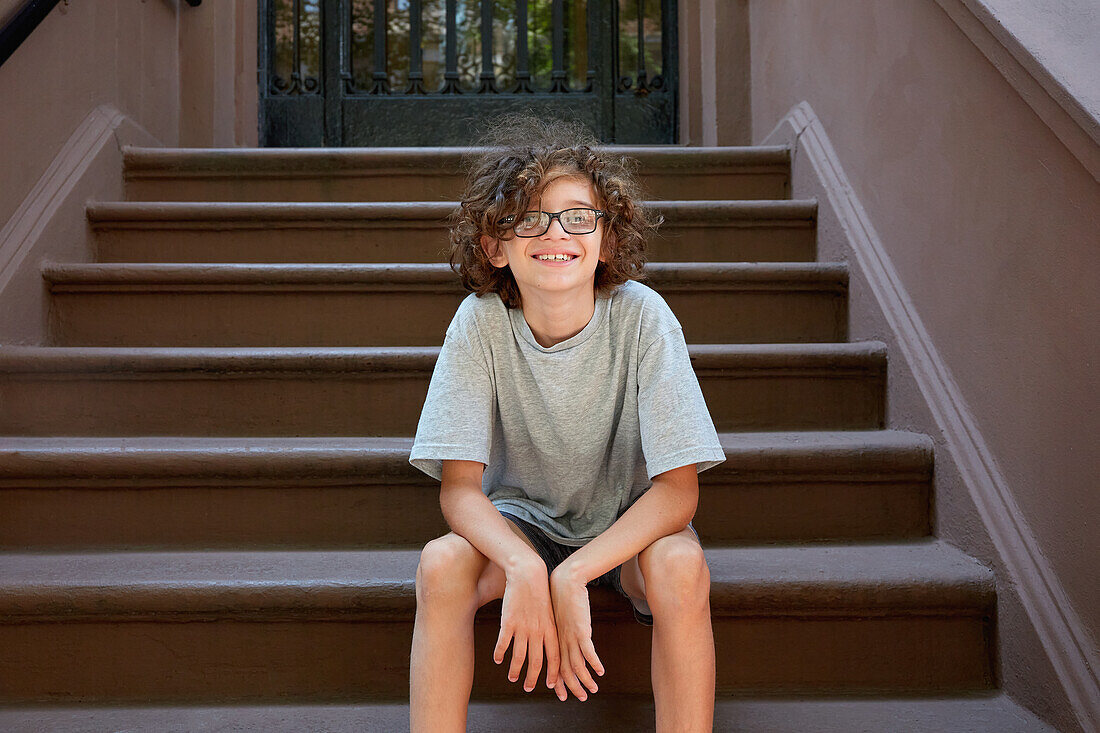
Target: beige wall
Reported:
point(91, 77)
point(991, 223)
point(8, 9)
point(218, 59)
point(80, 56)
point(186, 75)
point(1056, 41)
point(715, 93)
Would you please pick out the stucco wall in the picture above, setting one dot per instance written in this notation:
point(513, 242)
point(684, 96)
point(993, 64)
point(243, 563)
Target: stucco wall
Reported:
point(715, 93)
point(219, 100)
point(91, 77)
point(8, 9)
point(80, 56)
point(992, 225)
point(1061, 38)
point(186, 75)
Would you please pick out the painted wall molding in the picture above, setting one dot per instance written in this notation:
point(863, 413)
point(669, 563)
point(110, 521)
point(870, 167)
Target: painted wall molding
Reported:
point(1060, 630)
point(1068, 117)
point(50, 222)
point(26, 224)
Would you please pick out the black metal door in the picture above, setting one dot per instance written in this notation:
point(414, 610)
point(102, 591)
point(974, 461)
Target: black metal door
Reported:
point(425, 72)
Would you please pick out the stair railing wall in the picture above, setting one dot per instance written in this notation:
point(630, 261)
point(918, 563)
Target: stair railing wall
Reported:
point(22, 24)
point(24, 20)
point(60, 150)
point(974, 260)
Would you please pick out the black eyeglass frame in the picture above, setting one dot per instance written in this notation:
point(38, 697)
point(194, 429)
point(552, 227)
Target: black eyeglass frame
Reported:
point(550, 220)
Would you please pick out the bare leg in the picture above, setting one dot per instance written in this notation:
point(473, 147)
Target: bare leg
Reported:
point(453, 580)
point(672, 576)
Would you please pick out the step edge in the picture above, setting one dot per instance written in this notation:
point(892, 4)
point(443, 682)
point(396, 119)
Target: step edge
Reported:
point(954, 710)
point(843, 360)
point(198, 215)
point(719, 276)
point(139, 161)
point(927, 574)
point(370, 461)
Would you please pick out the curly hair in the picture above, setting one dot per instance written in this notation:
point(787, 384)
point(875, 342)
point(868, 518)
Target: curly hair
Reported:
point(517, 158)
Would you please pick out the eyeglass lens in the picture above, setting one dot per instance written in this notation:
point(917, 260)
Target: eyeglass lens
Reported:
point(574, 221)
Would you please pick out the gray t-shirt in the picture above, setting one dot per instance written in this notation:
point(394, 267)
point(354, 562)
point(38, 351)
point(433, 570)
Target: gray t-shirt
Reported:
point(571, 434)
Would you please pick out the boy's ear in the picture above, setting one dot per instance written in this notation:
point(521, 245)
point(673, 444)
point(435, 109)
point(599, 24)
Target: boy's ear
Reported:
point(493, 251)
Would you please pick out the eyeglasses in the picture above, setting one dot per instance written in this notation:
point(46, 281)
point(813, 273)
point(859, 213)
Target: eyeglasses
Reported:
point(537, 223)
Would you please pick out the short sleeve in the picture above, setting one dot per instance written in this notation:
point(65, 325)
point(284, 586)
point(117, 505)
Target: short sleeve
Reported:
point(675, 423)
point(456, 421)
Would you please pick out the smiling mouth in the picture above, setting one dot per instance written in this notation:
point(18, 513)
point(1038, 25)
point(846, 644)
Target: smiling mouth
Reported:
point(570, 258)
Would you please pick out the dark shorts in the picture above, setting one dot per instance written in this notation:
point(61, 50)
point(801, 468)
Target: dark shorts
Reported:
point(553, 553)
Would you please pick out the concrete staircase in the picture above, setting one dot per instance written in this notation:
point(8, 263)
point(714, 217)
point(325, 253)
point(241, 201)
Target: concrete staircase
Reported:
point(208, 520)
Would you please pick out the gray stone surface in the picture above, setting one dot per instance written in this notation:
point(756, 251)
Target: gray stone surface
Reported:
point(978, 714)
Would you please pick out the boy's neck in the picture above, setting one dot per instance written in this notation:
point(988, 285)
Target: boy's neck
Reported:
point(555, 317)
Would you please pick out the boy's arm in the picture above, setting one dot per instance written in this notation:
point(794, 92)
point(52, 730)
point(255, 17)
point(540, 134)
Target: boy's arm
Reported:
point(470, 514)
point(665, 508)
point(527, 614)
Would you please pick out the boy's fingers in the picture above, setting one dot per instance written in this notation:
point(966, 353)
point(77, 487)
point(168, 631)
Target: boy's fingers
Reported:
point(575, 687)
point(551, 665)
point(503, 638)
point(589, 650)
point(550, 641)
point(519, 653)
point(586, 677)
point(560, 691)
point(571, 680)
point(550, 636)
point(534, 665)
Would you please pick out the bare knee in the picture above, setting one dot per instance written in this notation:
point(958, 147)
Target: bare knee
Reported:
point(448, 571)
point(677, 578)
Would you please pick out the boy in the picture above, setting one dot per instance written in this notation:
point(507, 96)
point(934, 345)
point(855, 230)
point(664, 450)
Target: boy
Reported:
point(567, 427)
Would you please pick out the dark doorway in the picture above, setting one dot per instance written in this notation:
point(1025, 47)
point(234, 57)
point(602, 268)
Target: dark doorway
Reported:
point(425, 72)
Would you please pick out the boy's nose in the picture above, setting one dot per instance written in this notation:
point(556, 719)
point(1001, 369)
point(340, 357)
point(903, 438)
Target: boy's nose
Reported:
point(561, 227)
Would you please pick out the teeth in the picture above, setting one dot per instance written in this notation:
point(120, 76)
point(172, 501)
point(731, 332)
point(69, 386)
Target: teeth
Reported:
point(553, 257)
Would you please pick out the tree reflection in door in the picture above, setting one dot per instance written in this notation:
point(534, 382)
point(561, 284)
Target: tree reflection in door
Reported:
point(330, 50)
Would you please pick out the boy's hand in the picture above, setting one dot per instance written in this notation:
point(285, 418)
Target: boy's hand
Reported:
point(573, 615)
point(528, 618)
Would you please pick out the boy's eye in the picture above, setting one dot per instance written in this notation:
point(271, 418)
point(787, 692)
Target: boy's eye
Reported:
point(530, 219)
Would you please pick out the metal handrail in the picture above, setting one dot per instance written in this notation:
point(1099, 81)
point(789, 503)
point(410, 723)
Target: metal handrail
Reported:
point(26, 19)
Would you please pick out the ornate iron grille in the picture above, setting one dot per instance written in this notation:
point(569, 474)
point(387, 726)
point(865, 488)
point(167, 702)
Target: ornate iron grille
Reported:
point(426, 72)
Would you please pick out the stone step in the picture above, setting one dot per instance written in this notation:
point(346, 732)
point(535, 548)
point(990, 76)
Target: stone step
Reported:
point(331, 625)
point(416, 231)
point(61, 493)
point(423, 174)
point(373, 391)
point(976, 713)
point(404, 304)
